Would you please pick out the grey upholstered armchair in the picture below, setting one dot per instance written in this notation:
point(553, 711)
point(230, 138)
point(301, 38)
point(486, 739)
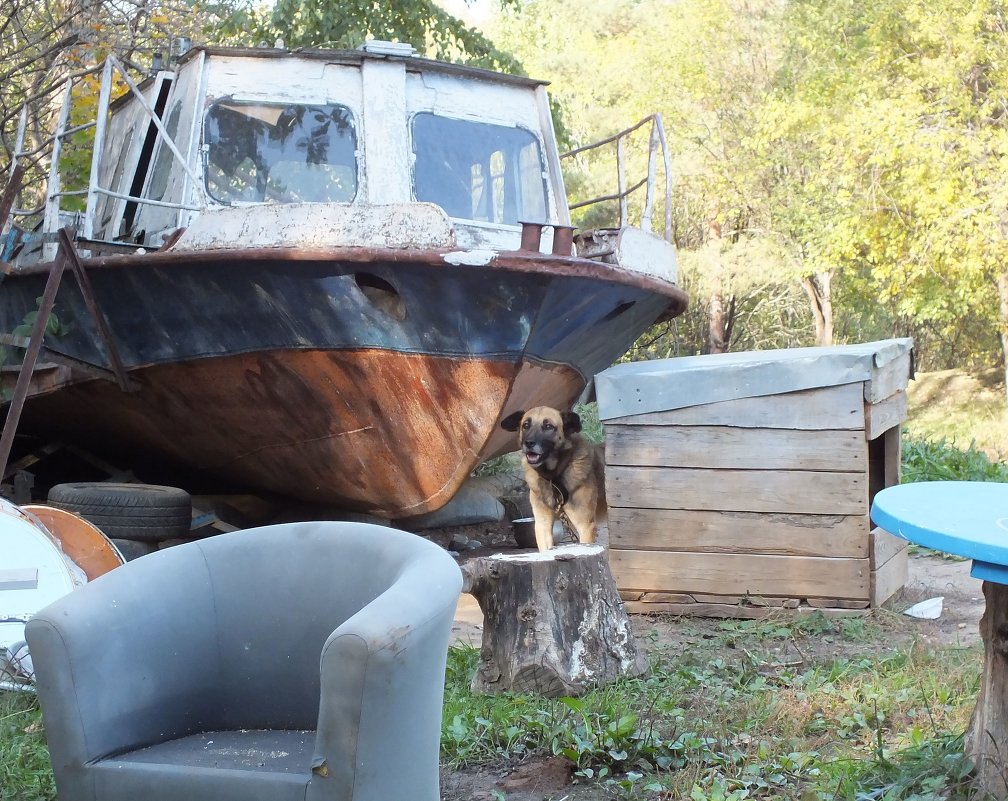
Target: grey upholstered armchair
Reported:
point(298, 661)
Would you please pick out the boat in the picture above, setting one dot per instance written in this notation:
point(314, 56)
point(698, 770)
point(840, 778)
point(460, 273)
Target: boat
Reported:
point(320, 274)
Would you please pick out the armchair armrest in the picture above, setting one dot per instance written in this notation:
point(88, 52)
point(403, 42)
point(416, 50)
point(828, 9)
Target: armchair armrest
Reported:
point(146, 633)
point(382, 687)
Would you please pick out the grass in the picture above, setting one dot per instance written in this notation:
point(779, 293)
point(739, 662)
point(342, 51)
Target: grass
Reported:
point(701, 726)
point(25, 774)
point(960, 409)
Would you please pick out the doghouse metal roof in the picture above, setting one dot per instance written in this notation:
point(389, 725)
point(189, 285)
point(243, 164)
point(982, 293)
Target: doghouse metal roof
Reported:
point(663, 384)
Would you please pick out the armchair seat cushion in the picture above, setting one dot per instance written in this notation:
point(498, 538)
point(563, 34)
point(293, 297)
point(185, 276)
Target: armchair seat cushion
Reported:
point(213, 765)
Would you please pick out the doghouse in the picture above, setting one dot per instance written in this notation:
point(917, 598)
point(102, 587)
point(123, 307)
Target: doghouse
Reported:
point(740, 483)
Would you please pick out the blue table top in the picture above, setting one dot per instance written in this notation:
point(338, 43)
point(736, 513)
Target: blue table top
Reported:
point(965, 518)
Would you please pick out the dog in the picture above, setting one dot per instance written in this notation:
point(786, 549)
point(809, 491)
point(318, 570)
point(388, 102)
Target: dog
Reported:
point(564, 470)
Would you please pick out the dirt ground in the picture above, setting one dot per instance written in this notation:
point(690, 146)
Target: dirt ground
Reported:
point(540, 779)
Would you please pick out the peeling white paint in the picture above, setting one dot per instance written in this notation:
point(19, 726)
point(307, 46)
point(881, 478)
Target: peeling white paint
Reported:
point(475, 258)
point(552, 554)
point(307, 225)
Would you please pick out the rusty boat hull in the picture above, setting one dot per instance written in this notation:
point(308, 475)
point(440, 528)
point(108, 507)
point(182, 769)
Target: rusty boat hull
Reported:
point(369, 379)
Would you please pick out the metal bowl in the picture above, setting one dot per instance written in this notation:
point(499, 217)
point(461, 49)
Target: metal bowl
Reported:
point(524, 532)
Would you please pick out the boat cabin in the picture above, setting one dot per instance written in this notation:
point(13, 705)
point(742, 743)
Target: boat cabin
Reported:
point(373, 127)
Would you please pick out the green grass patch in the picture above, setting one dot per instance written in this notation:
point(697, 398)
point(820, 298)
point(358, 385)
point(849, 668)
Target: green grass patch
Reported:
point(942, 460)
point(25, 774)
point(701, 726)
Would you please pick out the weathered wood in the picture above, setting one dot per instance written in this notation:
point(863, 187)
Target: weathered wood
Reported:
point(788, 491)
point(827, 407)
point(888, 379)
point(738, 532)
point(988, 729)
point(741, 574)
point(881, 416)
point(553, 623)
point(733, 447)
point(889, 578)
point(884, 546)
point(835, 603)
point(889, 565)
point(734, 611)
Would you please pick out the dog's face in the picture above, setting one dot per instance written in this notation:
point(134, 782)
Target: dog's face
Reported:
point(543, 432)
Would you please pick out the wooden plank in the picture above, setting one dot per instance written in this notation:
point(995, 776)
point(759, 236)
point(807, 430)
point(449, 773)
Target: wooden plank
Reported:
point(835, 603)
point(741, 574)
point(884, 546)
point(731, 447)
point(657, 597)
point(786, 491)
point(888, 379)
point(893, 448)
point(738, 532)
point(705, 598)
point(881, 416)
point(889, 577)
point(825, 407)
point(735, 612)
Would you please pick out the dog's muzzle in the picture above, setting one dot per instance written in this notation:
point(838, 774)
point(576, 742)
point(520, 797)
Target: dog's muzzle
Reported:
point(534, 454)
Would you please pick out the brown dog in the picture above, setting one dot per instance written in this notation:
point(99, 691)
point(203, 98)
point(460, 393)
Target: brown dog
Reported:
point(565, 472)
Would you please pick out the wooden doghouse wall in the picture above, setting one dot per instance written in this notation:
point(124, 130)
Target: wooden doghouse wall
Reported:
point(737, 507)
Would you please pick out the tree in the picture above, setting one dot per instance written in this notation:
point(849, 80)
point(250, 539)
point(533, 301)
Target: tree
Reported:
point(888, 131)
point(707, 67)
point(421, 23)
point(42, 42)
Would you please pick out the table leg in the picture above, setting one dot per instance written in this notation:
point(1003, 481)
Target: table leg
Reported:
point(987, 737)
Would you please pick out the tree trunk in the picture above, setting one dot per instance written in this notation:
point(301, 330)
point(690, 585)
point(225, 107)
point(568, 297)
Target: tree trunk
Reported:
point(1003, 295)
point(553, 622)
point(817, 287)
point(987, 737)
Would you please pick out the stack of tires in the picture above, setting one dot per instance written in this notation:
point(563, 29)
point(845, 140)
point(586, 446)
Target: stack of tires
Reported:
point(138, 518)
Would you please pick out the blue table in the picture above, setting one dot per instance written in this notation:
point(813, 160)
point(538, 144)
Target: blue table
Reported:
point(965, 518)
point(969, 519)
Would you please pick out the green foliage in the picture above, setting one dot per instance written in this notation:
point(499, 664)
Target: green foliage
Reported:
point(728, 719)
point(860, 141)
point(25, 774)
point(53, 327)
point(941, 460)
point(421, 23)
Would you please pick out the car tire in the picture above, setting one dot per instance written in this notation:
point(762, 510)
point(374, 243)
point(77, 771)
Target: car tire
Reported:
point(134, 549)
point(141, 512)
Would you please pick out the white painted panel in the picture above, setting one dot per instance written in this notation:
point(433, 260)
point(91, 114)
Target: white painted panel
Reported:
point(386, 146)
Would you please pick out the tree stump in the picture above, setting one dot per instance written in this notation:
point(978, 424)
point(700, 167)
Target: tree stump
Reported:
point(987, 737)
point(553, 622)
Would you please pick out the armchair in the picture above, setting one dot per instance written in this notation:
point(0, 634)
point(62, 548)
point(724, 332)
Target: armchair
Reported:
point(297, 661)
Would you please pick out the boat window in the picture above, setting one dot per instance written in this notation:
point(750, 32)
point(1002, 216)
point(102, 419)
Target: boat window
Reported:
point(109, 202)
point(163, 162)
point(478, 171)
point(276, 153)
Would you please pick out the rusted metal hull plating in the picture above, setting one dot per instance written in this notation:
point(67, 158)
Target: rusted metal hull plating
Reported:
point(364, 378)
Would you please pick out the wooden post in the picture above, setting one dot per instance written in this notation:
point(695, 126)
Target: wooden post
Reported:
point(553, 623)
point(987, 737)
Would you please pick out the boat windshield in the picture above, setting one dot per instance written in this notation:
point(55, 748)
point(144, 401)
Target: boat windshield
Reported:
point(478, 171)
point(277, 153)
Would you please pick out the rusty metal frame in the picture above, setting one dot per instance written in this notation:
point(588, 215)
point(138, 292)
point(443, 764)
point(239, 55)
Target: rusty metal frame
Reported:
point(656, 142)
point(67, 247)
point(66, 255)
point(31, 358)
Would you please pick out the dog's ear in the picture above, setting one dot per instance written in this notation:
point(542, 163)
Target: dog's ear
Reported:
point(512, 421)
point(571, 423)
